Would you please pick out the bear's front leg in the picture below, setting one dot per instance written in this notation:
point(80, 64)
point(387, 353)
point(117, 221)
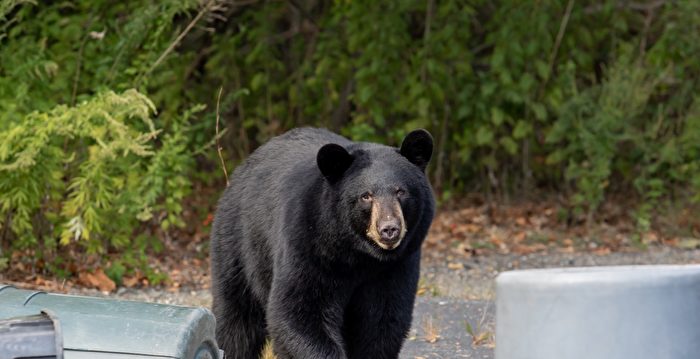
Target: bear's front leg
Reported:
point(379, 314)
point(304, 317)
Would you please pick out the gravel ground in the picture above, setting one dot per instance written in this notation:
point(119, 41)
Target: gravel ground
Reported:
point(473, 278)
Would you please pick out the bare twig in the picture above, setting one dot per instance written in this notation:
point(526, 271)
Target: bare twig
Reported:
point(5, 227)
point(560, 34)
point(432, 332)
point(218, 145)
point(628, 5)
point(304, 13)
point(78, 65)
point(244, 148)
point(555, 49)
point(440, 167)
point(342, 112)
point(179, 38)
point(429, 10)
point(645, 33)
point(527, 171)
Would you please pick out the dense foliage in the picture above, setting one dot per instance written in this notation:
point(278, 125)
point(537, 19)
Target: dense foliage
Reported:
point(587, 98)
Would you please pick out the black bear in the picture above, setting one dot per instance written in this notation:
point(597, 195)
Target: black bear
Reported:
point(316, 245)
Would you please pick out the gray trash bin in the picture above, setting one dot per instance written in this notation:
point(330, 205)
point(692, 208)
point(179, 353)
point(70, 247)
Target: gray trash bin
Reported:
point(86, 327)
point(626, 312)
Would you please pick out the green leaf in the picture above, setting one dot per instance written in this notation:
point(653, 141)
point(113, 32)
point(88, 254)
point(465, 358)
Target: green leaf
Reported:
point(364, 94)
point(542, 69)
point(522, 129)
point(497, 116)
point(555, 157)
point(257, 81)
point(484, 136)
point(510, 145)
point(116, 272)
point(539, 110)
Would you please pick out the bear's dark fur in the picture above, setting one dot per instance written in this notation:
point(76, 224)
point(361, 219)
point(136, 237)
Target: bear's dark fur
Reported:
point(316, 245)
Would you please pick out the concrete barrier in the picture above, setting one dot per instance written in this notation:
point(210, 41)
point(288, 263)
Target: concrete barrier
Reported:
point(626, 312)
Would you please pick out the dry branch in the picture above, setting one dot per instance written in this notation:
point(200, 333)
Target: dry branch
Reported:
point(218, 145)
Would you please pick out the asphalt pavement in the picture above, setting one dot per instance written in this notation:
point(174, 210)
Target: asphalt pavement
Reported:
point(447, 328)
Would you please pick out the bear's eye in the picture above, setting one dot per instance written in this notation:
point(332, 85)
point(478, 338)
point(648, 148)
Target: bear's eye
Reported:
point(400, 192)
point(366, 197)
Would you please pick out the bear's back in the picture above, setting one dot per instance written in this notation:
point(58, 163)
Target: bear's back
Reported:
point(283, 157)
point(277, 172)
point(293, 148)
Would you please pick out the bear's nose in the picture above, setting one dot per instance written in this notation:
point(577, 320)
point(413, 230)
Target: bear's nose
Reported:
point(389, 230)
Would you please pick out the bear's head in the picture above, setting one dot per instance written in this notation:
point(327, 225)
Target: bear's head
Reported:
point(382, 192)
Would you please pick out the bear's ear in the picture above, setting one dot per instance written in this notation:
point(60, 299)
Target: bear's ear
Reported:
point(417, 147)
point(333, 160)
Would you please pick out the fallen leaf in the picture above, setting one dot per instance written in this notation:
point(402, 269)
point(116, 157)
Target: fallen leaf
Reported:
point(432, 339)
point(207, 221)
point(97, 280)
point(104, 283)
point(523, 249)
point(651, 237)
point(481, 338)
point(566, 250)
point(130, 282)
point(472, 228)
point(602, 251)
point(455, 266)
point(671, 242)
point(519, 237)
point(86, 279)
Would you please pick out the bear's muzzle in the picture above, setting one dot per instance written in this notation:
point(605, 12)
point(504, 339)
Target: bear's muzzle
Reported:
point(387, 226)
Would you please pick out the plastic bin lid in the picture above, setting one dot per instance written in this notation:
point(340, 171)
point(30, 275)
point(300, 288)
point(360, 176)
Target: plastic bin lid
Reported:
point(118, 328)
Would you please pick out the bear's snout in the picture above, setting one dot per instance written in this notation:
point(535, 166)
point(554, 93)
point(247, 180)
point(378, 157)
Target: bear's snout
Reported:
point(389, 230)
point(386, 227)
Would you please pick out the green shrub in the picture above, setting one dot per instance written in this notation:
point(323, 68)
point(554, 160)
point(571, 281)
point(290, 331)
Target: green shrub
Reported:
point(90, 174)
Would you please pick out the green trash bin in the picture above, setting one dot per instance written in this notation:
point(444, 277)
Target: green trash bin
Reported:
point(34, 322)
